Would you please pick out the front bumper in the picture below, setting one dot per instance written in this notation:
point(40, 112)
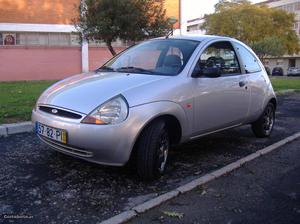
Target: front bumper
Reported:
point(103, 144)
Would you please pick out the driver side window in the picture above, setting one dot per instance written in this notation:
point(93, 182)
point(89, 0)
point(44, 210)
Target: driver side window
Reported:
point(219, 55)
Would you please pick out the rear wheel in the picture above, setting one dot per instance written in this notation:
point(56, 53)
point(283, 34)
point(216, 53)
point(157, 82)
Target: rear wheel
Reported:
point(264, 124)
point(152, 151)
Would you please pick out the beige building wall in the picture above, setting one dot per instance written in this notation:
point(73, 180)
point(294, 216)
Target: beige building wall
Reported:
point(55, 11)
point(38, 11)
point(173, 10)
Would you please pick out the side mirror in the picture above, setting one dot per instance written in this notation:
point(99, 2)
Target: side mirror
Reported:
point(210, 72)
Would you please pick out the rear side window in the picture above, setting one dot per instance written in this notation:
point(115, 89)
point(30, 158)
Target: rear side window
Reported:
point(249, 60)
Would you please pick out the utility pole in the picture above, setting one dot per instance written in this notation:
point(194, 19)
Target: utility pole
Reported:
point(84, 46)
point(180, 16)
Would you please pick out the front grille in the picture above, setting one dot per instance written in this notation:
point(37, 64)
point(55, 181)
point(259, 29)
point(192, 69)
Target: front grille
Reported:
point(59, 112)
point(66, 148)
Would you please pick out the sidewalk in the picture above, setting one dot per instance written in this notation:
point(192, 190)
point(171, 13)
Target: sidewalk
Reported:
point(266, 190)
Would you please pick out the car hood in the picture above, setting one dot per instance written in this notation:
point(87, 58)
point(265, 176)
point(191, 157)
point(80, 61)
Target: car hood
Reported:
point(85, 92)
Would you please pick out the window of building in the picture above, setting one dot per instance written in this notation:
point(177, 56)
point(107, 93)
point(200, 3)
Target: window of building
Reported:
point(75, 39)
point(50, 39)
point(221, 55)
point(39, 39)
point(249, 60)
point(59, 39)
point(33, 39)
point(9, 39)
point(298, 6)
point(292, 7)
point(43, 38)
point(20, 39)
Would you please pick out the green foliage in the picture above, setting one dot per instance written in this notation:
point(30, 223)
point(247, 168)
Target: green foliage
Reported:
point(129, 20)
point(283, 83)
point(224, 4)
point(18, 98)
point(255, 25)
point(268, 46)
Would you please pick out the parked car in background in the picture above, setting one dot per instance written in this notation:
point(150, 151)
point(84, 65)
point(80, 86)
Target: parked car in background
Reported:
point(277, 71)
point(159, 93)
point(268, 70)
point(293, 71)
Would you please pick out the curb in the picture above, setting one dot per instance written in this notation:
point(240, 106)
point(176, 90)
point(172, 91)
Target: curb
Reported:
point(121, 218)
point(141, 208)
point(15, 128)
point(286, 91)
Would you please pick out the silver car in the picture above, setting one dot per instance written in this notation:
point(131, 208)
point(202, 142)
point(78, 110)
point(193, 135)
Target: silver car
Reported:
point(154, 95)
point(293, 71)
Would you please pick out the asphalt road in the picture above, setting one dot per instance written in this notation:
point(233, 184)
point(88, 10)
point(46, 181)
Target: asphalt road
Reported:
point(53, 188)
point(266, 190)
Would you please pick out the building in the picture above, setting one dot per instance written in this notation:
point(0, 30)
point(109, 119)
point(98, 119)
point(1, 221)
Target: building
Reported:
point(285, 61)
point(39, 42)
point(193, 26)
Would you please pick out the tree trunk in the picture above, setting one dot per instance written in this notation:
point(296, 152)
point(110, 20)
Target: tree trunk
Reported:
point(111, 49)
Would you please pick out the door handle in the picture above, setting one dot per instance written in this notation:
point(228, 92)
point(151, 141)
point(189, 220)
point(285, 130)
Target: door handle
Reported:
point(242, 83)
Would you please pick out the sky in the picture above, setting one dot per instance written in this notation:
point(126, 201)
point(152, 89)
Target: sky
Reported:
point(196, 8)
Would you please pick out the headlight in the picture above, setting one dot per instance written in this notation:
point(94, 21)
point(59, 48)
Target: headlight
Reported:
point(113, 111)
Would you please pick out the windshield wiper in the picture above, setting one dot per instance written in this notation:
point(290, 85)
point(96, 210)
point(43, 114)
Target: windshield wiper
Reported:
point(105, 69)
point(133, 69)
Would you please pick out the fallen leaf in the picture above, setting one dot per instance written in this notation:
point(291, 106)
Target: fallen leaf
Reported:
point(203, 192)
point(173, 214)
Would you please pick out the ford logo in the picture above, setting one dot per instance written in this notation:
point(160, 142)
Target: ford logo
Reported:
point(54, 111)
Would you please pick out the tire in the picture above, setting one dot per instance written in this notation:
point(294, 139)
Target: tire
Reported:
point(263, 126)
point(152, 150)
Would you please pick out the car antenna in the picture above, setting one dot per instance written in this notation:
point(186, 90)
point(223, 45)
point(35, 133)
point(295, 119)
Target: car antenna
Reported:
point(169, 34)
point(172, 20)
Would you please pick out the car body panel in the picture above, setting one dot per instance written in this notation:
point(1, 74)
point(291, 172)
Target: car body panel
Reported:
point(201, 105)
point(85, 92)
point(209, 97)
point(110, 144)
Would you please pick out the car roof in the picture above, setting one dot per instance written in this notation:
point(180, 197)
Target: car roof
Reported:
point(197, 37)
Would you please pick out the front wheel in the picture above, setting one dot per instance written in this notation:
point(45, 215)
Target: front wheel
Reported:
point(152, 151)
point(264, 125)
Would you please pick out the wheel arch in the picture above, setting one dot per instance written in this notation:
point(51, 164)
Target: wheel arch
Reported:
point(174, 129)
point(274, 102)
point(173, 125)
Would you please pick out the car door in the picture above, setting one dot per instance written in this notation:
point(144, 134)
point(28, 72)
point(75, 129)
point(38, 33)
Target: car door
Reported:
point(222, 101)
point(256, 81)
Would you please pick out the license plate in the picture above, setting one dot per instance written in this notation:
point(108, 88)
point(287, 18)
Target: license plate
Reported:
point(56, 134)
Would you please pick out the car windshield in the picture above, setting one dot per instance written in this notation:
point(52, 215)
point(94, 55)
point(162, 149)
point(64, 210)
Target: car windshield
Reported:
point(155, 57)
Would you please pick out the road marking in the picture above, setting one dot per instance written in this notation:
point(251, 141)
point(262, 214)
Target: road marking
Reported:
point(143, 207)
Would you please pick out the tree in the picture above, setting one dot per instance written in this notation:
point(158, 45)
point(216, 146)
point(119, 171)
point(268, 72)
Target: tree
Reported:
point(128, 20)
point(268, 30)
point(268, 46)
point(223, 4)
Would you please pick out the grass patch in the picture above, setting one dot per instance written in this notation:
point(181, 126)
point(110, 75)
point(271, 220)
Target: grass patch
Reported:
point(284, 83)
point(18, 98)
